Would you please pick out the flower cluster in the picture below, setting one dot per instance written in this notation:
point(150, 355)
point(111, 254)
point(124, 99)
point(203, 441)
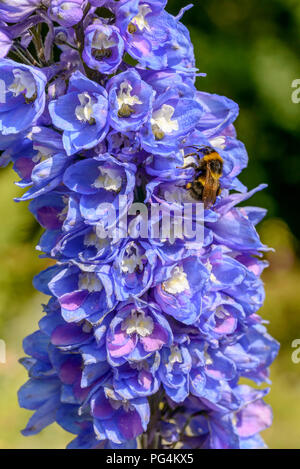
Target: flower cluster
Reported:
point(145, 339)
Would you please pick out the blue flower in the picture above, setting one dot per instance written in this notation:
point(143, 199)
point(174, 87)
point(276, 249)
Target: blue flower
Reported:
point(53, 390)
point(136, 333)
point(174, 371)
point(22, 98)
point(219, 113)
point(240, 430)
point(49, 210)
point(220, 316)
point(66, 12)
point(152, 36)
point(163, 80)
point(172, 118)
point(104, 48)
point(12, 11)
point(145, 332)
point(181, 289)
point(47, 175)
point(117, 419)
point(101, 181)
point(86, 246)
point(253, 353)
point(83, 293)
point(81, 114)
point(130, 101)
point(133, 269)
point(125, 144)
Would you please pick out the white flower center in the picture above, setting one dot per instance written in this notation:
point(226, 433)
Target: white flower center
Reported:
point(89, 281)
point(64, 212)
point(209, 267)
point(43, 153)
point(173, 196)
point(23, 83)
point(174, 357)
point(138, 323)
point(66, 6)
point(162, 119)
point(109, 179)
point(84, 111)
point(125, 99)
point(221, 313)
point(133, 260)
point(218, 142)
point(91, 239)
point(101, 41)
point(178, 282)
point(140, 19)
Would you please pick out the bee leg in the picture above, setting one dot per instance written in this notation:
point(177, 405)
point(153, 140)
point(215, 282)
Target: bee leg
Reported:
point(191, 165)
point(191, 154)
point(200, 147)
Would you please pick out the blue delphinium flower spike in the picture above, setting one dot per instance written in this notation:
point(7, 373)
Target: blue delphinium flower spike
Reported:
point(148, 330)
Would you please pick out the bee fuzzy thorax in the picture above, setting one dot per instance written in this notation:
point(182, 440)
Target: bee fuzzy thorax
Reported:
point(213, 156)
point(215, 162)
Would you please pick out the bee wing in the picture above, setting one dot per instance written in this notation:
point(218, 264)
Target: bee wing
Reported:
point(210, 189)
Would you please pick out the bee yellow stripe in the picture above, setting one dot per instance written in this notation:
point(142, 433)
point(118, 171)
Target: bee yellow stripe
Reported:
point(213, 156)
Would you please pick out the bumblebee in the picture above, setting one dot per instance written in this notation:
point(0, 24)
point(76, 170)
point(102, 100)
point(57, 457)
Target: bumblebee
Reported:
point(208, 170)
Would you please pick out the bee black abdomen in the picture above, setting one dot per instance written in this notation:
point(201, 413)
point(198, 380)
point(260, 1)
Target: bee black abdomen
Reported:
point(196, 190)
point(196, 195)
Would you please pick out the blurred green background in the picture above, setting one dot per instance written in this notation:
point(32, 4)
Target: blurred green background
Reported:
point(250, 52)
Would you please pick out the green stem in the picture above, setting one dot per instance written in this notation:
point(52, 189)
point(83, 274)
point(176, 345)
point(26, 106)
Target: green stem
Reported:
point(22, 56)
point(38, 43)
